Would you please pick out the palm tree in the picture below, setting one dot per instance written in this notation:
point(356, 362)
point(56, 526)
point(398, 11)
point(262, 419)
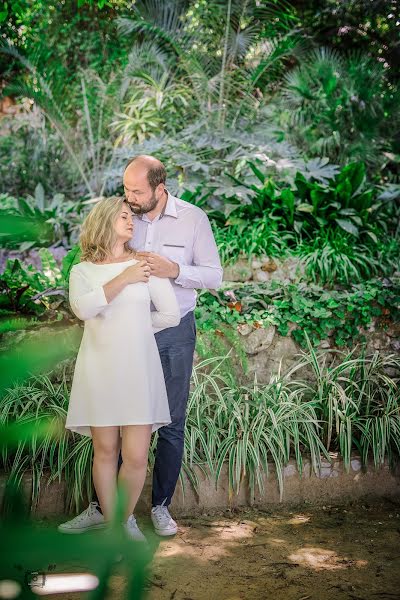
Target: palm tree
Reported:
point(220, 49)
point(340, 106)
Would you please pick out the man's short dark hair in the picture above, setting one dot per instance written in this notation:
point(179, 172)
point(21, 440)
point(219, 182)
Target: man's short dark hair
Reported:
point(155, 175)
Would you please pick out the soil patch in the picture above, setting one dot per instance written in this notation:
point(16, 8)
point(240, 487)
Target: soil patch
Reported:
point(324, 553)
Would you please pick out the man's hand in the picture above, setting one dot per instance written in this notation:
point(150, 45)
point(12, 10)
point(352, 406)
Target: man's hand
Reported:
point(160, 266)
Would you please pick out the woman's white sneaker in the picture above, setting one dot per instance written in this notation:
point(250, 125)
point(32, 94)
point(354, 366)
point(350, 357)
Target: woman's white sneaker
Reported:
point(162, 521)
point(89, 519)
point(133, 530)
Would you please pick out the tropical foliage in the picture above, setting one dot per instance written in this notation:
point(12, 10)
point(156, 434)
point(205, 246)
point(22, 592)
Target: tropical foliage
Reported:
point(340, 106)
point(280, 120)
point(288, 144)
point(304, 310)
point(350, 405)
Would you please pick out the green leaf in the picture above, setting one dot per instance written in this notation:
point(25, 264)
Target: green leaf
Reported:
point(354, 173)
point(72, 258)
point(303, 207)
point(40, 197)
point(288, 201)
point(260, 176)
point(372, 236)
point(348, 226)
point(25, 209)
point(318, 197)
point(344, 191)
point(302, 185)
point(357, 220)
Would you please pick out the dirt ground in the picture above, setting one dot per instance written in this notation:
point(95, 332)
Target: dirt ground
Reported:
point(324, 553)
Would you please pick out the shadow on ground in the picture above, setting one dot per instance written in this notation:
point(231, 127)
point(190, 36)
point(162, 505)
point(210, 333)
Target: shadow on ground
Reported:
point(324, 553)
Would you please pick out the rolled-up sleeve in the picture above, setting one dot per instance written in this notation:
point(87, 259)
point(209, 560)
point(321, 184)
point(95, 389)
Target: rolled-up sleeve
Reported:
point(206, 271)
point(85, 300)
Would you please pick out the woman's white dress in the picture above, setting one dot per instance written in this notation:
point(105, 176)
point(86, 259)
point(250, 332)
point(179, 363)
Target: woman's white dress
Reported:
point(118, 378)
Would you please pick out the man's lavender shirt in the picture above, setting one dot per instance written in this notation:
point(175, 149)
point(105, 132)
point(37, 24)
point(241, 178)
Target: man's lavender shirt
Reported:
point(182, 233)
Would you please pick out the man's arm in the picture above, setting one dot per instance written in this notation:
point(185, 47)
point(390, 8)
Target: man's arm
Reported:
point(206, 271)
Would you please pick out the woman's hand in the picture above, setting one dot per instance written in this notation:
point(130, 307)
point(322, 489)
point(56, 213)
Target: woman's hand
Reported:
point(136, 273)
point(132, 274)
point(160, 266)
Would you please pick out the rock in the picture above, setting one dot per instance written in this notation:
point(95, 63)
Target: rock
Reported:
point(326, 470)
point(356, 464)
point(393, 330)
point(378, 340)
point(269, 266)
point(245, 329)
point(240, 271)
point(285, 348)
point(261, 276)
point(324, 344)
point(292, 326)
point(256, 263)
point(289, 471)
point(287, 270)
point(259, 340)
point(395, 345)
point(279, 356)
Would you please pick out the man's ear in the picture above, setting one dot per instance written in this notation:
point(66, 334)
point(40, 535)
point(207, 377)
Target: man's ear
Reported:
point(160, 190)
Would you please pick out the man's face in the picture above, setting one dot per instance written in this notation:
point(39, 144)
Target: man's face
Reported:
point(138, 193)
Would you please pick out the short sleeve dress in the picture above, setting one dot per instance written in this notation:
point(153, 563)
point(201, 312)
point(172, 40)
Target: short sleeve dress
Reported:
point(118, 378)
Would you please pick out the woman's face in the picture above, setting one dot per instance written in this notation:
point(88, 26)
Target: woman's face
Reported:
point(123, 225)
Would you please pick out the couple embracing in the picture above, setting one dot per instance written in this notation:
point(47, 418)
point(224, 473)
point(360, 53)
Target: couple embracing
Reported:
point(142, 258)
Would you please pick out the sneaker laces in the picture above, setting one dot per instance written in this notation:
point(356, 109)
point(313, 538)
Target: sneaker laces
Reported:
point(161, 514)
point(86, 513)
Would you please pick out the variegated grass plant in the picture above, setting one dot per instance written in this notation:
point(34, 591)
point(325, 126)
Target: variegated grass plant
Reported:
point(350, 404)
point(249, 427)
point(61, 455)
point(358, 402)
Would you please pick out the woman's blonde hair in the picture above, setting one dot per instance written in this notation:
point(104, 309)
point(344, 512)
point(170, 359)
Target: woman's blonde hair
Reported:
point(98, 237)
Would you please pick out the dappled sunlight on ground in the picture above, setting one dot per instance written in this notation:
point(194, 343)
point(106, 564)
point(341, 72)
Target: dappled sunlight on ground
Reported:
point(218, 535)
point(320, 558)
point(275, 541)
point(320, 554)
point(299, 520)
point(323, 553)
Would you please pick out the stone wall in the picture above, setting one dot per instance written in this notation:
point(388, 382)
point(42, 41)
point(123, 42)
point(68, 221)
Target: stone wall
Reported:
point(331, 484)
point(269, 353)
point(265, 269)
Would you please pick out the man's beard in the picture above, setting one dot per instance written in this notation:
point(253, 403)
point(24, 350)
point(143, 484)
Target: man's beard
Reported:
point(142, 210)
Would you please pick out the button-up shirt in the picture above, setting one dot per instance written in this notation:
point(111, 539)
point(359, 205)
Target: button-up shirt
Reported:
point(182, 233)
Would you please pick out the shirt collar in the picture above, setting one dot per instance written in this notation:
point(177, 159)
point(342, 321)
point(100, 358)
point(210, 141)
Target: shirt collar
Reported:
point(169, 208)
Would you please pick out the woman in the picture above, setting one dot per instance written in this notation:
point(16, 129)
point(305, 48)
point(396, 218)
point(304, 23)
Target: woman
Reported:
point(118, 394)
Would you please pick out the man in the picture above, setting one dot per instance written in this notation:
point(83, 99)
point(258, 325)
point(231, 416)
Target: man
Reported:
point(176, 240)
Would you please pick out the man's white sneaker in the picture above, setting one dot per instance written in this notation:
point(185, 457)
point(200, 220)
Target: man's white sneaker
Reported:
point(89, 519)
point(133, 530)
point(162, 520)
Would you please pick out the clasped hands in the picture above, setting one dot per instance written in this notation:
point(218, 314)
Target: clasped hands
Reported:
point(160, 266)
point(151, 263)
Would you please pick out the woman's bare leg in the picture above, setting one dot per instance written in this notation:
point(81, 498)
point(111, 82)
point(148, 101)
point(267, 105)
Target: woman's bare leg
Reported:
point(106, 445)
point(135, 451)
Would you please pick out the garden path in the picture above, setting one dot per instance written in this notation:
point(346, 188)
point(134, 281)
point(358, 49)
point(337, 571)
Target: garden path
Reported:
point(312, 553)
